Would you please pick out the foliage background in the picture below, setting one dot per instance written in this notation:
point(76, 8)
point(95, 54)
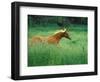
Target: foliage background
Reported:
point(34, 20)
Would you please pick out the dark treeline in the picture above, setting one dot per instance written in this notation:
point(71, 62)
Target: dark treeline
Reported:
point(61, 21)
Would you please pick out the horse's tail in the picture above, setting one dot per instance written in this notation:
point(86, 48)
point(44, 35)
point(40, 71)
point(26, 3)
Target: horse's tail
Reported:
point(29, 42)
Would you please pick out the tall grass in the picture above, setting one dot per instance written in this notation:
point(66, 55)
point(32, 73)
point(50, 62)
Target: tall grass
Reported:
point(68, 52)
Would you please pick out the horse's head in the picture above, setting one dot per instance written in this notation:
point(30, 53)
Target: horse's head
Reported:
point(65, 34)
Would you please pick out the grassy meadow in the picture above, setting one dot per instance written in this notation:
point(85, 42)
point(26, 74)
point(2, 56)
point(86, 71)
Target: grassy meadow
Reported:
point(69, 52)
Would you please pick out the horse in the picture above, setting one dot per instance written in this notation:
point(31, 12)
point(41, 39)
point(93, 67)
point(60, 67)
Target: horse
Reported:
point(52, 39)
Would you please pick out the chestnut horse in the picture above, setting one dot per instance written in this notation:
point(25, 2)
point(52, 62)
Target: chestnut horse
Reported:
point(53, 39)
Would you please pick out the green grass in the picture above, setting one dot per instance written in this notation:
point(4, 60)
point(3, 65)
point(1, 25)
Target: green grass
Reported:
point(69, 52)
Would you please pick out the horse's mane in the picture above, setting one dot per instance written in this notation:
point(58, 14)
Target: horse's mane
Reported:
point(58, 31)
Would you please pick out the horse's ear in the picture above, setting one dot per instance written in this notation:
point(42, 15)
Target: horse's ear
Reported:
point(65, 30)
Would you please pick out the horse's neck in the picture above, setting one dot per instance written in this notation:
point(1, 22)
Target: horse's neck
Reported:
point(57, 36)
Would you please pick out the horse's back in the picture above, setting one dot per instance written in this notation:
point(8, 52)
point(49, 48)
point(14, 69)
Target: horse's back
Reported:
point(36, 39)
